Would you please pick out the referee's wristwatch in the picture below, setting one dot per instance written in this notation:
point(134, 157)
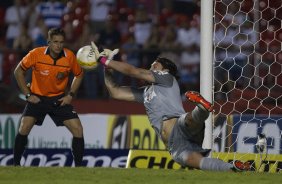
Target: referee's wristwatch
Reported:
point(71, 94)
point(27, 96)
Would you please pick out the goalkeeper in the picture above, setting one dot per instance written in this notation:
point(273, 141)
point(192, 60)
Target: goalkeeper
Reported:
point(181, 132)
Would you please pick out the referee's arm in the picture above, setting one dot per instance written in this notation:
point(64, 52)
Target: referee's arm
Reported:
point(19, 74)
point(77, 80)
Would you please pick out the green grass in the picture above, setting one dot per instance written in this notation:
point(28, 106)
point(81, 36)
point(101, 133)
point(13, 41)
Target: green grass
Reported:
point(68, 175)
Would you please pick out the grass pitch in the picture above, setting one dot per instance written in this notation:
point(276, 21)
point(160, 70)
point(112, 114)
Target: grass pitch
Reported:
point(68, 175)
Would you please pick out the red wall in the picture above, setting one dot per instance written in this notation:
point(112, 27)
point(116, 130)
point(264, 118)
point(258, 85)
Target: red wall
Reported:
point(114, 106)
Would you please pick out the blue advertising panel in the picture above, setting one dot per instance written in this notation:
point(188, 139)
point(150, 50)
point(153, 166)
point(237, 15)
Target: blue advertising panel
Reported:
point(63, 157)
point(246, 129)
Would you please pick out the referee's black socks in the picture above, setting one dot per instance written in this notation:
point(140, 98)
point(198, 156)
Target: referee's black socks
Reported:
point(78, 150)
point(19, 147)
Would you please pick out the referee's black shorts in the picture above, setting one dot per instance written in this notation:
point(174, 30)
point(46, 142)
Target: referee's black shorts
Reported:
point(50, 106)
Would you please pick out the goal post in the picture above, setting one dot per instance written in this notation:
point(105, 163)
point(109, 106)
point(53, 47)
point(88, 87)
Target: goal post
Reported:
point(206, 66)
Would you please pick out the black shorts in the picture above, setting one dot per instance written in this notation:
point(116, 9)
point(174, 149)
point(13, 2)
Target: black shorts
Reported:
point(50, 106)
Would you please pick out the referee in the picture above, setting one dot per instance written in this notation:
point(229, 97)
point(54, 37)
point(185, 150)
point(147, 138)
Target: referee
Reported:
point(51, 68)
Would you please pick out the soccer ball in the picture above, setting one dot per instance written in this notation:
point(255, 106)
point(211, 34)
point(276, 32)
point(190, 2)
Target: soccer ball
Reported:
point(86, 58)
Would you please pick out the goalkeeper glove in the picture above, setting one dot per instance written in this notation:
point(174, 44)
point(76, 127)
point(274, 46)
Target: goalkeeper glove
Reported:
point(105, 56)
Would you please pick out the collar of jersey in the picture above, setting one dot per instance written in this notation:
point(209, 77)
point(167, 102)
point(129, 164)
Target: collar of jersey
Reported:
point(62, 54)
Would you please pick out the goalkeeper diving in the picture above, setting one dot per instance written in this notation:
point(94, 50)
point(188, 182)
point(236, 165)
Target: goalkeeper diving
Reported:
point(181, 132)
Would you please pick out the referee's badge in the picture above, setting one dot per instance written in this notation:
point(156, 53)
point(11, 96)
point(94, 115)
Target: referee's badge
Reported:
point(60, 75)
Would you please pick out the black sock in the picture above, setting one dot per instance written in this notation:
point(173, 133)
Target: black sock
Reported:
point(19, 147)
point(78, 150)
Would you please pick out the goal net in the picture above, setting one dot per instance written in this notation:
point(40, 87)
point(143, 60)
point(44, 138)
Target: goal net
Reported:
point(248, 81)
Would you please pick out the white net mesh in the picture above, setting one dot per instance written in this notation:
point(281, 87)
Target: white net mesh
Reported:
point(247, 75)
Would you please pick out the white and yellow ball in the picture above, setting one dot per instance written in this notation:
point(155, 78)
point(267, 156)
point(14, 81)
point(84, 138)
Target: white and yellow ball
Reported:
point(86, 58)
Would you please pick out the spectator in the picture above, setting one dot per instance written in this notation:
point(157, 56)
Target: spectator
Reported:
point(187, 7)
point(131, 56)
point(189, 40)
point(151, 46)
point(109, 36)
point(15, 16)
point(32, 15)
point(142, 29)
point(99, 11)
point(23, 43)
point(38, 33)
point(52, 12)
point(169, 46)
point(142, 26)
point(70, 35)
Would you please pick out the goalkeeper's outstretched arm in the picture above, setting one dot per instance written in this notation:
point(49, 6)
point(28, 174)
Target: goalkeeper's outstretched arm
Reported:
point(132, 71)
point(116, 91)
point(106, 58)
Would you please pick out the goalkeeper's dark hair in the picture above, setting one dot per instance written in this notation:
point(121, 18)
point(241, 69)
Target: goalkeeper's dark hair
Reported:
point(56, 31)
point(170, 65)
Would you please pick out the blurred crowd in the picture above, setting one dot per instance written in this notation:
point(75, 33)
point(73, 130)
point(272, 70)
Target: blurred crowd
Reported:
point(141, 29)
